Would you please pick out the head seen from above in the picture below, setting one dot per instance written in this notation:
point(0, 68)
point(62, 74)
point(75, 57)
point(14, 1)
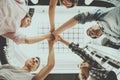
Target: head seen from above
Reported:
point(94, 32)
point(32, 64)
point(69, 3)
point(26, 21)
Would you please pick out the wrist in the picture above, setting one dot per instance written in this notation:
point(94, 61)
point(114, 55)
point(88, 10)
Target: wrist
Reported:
point(71, 45)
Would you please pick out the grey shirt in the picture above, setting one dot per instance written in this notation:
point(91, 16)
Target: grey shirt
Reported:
point(14, 73)
point(108, 21)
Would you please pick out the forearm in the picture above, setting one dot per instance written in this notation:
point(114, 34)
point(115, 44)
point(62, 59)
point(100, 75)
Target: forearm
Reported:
point(65, 42)
point(52, 17)
point(86, 57)
point(51, 57)
point(42, 74)
point(70, 23)
point(35, 39)
point(52, 6)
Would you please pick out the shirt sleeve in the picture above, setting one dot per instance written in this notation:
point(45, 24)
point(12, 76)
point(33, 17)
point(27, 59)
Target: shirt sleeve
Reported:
point(86, 57)
point(88, 16)
point(16, 37)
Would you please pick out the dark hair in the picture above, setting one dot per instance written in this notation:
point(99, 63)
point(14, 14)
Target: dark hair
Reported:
point(89, 34)
point(28, 15)
point(39, 62)
point(111, 76)
point(74, 2)
point(31, 12)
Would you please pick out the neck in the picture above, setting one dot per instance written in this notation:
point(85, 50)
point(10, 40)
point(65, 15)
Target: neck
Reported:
point(26, 69)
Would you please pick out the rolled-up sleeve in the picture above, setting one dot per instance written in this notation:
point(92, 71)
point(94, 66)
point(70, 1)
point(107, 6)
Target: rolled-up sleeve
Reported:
point(87, 16)
point(16, 37)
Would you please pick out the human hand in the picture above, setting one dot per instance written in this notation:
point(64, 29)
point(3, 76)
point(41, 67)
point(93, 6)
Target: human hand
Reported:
point(59, 38)
point(51, 37)
point(52, 30)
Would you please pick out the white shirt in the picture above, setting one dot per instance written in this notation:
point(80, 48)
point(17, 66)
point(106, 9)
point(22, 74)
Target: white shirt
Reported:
point(11, 14)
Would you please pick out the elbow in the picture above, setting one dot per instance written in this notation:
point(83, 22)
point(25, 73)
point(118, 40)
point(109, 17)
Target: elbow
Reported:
point(51, 65)
point(51, 7)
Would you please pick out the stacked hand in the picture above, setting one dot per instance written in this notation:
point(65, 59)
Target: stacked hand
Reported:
point(51, 38)
point(58, 38)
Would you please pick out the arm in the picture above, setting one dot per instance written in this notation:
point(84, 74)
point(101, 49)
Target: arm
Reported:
point(31, 40)
point(50, 63)
point(84, 71)
point(19, 38)
point(52, 6)
point(80, 18)
point(80, 52)
point(86, 57)
point(59, 38)
point(70, 23)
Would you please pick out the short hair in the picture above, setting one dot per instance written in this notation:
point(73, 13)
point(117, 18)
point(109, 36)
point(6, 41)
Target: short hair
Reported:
point(39, 62)
point(89, 33)
point(31, 12)
point(27, 16)
point(74, 2)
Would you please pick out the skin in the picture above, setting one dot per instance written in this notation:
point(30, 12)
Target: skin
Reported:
point(52, 6)
point(66, 3)
point(59, 38)
point(42, 74)
point(83, 66)
point(25, 22)
point(94, 31)
point(31, 64)
point(84, 71)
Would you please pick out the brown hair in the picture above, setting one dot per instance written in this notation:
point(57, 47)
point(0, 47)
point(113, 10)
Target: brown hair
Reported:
point(89, 33)
point(39, 62)
point(74, 3)
point(27, 15)
point(85, 70)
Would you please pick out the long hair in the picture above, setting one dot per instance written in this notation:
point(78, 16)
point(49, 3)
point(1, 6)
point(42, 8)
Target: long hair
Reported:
point(84, 71)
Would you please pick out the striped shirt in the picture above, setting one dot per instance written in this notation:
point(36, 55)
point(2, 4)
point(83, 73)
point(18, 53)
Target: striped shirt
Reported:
point(96, 70)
